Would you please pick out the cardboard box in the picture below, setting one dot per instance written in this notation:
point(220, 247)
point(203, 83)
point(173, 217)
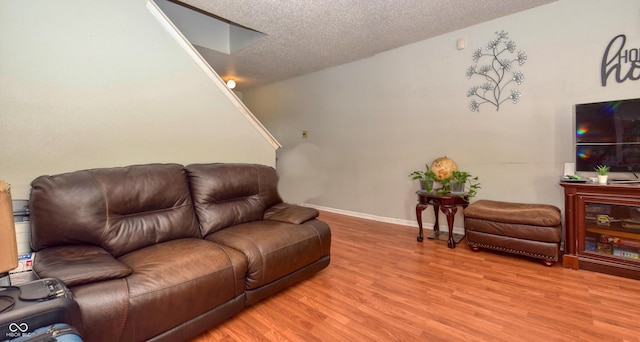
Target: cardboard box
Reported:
point(597, 209)
point(8, 251)
point(604, 248)
point(626, 253)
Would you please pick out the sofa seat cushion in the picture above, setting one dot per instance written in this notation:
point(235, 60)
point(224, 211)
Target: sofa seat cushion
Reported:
point(175, 281)
point(275, 249)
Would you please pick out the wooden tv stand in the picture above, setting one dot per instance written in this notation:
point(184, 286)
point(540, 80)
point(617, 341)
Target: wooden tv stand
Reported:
point(602, 228)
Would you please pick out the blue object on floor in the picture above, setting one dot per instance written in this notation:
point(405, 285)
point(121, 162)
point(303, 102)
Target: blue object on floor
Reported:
point(58, 332)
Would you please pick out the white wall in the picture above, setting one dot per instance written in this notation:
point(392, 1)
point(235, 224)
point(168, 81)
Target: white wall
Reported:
point(87, 84)
point(373, 121)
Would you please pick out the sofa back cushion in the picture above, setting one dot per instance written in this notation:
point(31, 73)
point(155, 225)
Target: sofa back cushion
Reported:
point(119, 209)
point(228, 194)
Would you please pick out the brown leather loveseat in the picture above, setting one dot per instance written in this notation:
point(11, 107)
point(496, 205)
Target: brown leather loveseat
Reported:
point(164, 252)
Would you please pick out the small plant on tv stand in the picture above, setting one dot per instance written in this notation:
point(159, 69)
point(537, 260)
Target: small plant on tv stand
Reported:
point(602, 170)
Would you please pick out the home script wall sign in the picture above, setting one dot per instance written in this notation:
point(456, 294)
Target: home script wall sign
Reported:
point(623, 63)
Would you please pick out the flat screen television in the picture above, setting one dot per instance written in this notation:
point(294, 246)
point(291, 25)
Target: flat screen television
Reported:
point(608, 133)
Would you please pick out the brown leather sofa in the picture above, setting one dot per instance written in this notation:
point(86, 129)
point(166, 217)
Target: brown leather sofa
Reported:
point(164, 252)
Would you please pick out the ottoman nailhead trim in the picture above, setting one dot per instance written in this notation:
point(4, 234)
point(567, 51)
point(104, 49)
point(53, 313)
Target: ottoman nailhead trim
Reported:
point(514, 251)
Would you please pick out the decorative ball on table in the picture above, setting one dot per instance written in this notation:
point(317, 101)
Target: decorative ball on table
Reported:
point(443, 168)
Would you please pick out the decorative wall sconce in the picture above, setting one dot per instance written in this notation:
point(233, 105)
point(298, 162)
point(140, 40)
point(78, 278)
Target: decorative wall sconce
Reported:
point(500, 55)
point(231, 84)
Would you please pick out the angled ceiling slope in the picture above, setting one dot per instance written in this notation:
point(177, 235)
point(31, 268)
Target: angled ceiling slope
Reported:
point(307, 36)
point(207, 31)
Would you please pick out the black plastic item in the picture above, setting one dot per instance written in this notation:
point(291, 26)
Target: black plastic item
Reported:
point(574, 180)
point(38, 304)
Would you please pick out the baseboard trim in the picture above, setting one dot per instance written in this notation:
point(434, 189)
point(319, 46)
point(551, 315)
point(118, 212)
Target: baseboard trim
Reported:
point(426, 225)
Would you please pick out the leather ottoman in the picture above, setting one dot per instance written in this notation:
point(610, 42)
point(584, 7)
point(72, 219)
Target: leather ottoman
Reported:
point(533, 230)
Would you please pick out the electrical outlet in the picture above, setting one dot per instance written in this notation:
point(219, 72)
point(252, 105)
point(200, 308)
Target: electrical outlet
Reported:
point(305, 134)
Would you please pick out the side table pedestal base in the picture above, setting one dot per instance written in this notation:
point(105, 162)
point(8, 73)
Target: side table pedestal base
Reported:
point(444, 236)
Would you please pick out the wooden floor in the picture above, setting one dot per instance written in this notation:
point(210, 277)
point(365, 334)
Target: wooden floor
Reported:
point(383, 285)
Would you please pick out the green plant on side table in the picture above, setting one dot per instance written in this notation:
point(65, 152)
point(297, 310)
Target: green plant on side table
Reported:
point(457, 182)
point(426, 178)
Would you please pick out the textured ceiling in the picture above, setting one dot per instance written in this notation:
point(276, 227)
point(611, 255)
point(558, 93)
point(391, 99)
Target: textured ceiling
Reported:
point(304, 36)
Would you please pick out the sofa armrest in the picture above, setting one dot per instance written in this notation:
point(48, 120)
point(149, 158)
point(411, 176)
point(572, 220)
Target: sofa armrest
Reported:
point(76, 265)
point(290, 213)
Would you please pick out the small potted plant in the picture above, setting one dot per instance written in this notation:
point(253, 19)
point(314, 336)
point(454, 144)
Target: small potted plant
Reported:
point(602, 171)
point(458, 181)
point(426, 178)
point(456, 184)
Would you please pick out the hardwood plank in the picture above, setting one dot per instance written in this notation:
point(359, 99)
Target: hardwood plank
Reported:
point(383, 285)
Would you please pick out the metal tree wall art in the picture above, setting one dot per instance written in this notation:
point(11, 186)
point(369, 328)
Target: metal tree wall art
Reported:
point(497, 74)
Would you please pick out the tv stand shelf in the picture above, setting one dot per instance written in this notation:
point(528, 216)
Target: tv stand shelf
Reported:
point(624, 181)
point(602, 228)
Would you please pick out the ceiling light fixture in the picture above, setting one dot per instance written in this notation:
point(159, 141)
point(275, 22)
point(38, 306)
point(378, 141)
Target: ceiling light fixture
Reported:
point(231, 84)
